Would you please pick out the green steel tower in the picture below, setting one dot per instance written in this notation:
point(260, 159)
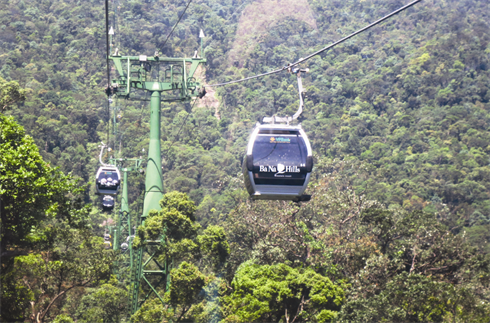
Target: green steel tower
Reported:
point(162, 79)
point(123, 232)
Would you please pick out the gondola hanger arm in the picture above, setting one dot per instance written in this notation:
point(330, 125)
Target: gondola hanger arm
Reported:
point(298, 72)
point(101, 152)
point(288, 119)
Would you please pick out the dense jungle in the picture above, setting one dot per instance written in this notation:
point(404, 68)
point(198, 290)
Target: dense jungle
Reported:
point(398, 225)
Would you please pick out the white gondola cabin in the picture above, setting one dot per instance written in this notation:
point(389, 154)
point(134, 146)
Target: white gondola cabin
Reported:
point(108, 180)
point(278, 163)
point(107, 202)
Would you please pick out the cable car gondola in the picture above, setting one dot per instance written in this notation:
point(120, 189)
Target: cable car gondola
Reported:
point(107, 242)
point(108, 180)
point(108, 177)
point(107, 202)
point(278, 163)
point(279, 158)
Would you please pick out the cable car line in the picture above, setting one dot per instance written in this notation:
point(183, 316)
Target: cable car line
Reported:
point(175, 26)
point(279, 159)
point(107, 41)
point(303, 59)
point(107, 61)
point(283, 174)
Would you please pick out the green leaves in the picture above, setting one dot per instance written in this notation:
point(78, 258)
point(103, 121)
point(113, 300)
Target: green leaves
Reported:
point(343, 235)
point(30, 189)
point(279, 292)
point(75, 259)
point(179, 202)
point(187, 283)
point(175, 221)
point(10, 93)
point(214, 244)
point(105, 304)
point(175, 225)
point(416, 298)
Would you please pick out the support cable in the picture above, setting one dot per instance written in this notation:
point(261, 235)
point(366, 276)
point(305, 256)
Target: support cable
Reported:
point(107, 63)
point(107, 42)
point(173, 28)
point(301, 60)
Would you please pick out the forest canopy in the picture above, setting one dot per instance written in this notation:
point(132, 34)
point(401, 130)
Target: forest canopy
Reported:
point(398, 117)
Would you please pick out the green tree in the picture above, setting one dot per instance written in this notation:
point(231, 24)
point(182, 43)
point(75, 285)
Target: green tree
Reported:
point(10, 93)
point(416, 298)
point(214, 245)
point(187, 249)
point(105, 304)
point(63, 318)
point(176, 223)
point(280, 293)
point(16, 297)
point(152, 311)
point(36, 199)
point(31, 191)
point(76, 259)
point(187, 283)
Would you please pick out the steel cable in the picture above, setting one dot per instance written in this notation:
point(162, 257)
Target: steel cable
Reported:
point(173, 28)
point(301, 60)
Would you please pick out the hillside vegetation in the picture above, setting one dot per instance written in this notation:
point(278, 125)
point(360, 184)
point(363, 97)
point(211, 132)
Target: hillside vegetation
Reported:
point(398, 118)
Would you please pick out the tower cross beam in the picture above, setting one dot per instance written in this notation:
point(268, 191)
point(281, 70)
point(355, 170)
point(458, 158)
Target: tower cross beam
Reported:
point(136, 72)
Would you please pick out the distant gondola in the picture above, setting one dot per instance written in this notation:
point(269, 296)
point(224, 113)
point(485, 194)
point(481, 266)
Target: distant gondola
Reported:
point(107, 242)
point(107, 202)
point(278, 163)
point(108, 180)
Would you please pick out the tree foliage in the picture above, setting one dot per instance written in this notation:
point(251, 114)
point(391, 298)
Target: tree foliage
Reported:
point(76, 259)
point(104, 304)
point(10, 93)
point(344, 236)
point(48, 249)
point(280, 293)
point(30, 190)
point(199, 257)
point(397, 117)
